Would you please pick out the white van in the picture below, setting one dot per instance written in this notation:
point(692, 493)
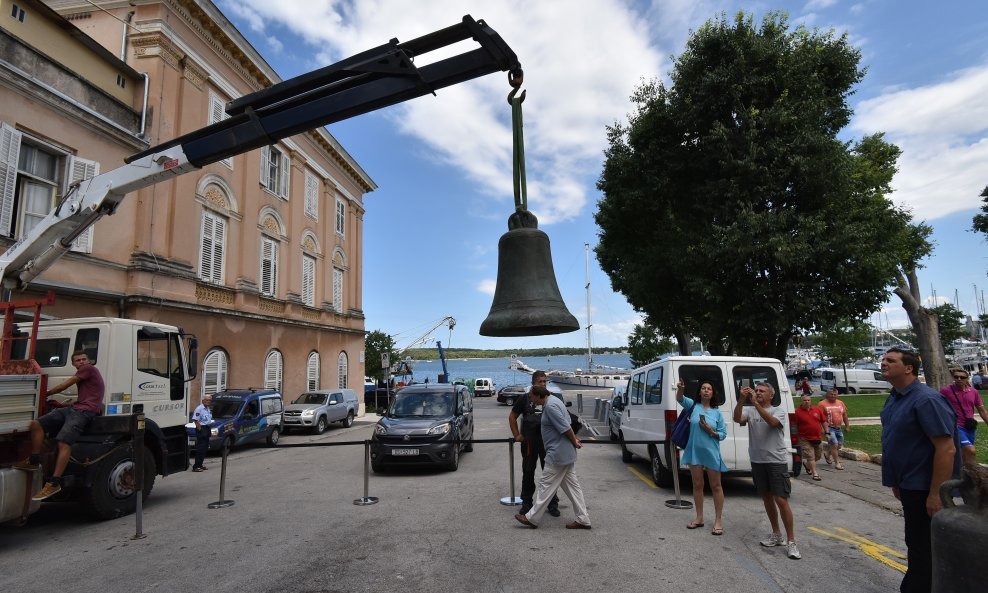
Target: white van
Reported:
point(650, 409)
point(853, 380)
point(483, 387)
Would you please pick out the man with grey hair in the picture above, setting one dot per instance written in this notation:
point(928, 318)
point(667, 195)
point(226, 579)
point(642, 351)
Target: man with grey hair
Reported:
point(769, 454)
point(203, 418)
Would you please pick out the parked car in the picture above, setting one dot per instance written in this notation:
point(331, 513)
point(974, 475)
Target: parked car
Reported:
point(243, 416)
point(420, 425)
point(483, 387)
point(614, 413)
point(316, 409)
point(508, 395)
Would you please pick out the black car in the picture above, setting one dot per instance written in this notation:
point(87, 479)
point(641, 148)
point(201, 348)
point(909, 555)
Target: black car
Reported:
point(420, 425)
point(508, 395)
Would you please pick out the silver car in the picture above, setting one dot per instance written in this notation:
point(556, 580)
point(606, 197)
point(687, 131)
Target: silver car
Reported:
point(314, 410)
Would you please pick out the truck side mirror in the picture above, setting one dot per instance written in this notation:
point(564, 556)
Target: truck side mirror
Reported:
point(193, 358)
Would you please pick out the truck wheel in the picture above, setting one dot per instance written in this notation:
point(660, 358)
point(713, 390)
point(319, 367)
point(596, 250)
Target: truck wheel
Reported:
point(626, 455)
point(320, 426)
point(113, 491)
point(348, 421)
point(274, 437)
point(660, 475)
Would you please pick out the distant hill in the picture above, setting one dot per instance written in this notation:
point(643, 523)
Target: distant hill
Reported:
point(433, 353)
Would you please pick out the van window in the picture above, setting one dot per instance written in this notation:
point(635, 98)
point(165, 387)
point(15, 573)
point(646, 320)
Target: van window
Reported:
point(758, 374)
point(270, 405)
point(653, 385)
point(467, 400)
point(87, 340)
point(52, 352)
point(250, 410)
point(827, 375)
point(879, 377)
point(695, 375)
point(635, 394)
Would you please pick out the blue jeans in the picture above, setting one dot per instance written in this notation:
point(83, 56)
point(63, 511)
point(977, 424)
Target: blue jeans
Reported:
point(202, 445)
point(836, 436)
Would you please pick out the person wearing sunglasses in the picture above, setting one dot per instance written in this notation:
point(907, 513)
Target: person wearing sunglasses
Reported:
point(965, 400)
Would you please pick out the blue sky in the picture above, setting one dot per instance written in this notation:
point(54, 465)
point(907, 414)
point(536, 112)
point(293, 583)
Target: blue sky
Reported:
point(443, 164)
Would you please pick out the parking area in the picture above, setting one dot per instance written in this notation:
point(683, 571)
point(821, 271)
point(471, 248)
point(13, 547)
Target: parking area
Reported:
point(294, 527)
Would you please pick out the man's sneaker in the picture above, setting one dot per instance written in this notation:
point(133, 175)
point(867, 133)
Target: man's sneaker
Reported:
point(792, 551)
point(773, 540)
point(26, 465)
point(50, 489)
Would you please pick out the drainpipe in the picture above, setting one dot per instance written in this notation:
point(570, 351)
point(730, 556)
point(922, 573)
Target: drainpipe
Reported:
point(123, 36)
point(144, 107)
point(123, 58)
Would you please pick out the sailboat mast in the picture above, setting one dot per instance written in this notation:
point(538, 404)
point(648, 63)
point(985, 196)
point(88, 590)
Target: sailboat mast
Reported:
point(586, 247)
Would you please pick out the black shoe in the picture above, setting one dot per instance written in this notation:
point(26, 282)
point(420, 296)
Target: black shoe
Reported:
point(554, 511)
point(524, 509)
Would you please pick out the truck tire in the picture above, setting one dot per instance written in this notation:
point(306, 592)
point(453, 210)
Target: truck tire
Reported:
point(320, 426)
point(348, 421)
point(274, 437)
point(112, 493)
point(660, 474)
point(626, 455)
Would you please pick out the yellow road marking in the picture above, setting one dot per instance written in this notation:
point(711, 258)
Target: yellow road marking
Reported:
point(642, 477)
point(870, 548)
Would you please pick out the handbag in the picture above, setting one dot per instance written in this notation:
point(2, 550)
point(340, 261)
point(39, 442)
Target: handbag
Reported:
point(574, 423)
point(681, 429)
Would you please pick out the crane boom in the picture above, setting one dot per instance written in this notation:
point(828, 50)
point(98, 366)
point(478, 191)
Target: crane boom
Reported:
point(376, 78)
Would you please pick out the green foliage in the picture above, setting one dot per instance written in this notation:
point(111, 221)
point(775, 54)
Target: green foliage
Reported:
point(844, 342)
point(980, 222)
point(645, 345)
point(375, 344)
point(732, 211)
point(951, 324)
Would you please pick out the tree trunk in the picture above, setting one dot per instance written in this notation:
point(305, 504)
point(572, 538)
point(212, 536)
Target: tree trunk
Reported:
point(927, 328)
point(684, 341)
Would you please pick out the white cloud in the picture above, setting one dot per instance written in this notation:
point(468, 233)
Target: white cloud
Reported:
point(819, 4)
point(487, 286)
point(942, 129)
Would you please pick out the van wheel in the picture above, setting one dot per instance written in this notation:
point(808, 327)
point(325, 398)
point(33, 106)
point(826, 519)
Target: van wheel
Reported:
point(320, 425)
point(113, 493)
point(274, 437)
point(852, 391)
point(626, 455)
point(348, 421)
point(660, 475)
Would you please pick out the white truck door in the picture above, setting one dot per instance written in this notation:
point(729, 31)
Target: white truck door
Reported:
point(694, 374)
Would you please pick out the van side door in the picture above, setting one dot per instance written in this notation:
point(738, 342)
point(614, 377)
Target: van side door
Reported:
point(757, 373)
point(645, 411)
point(693, 376)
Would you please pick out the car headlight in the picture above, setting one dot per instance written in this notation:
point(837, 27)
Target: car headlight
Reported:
point(308, 412)
point(214, 432)
point(380, 429)
point(441, 429)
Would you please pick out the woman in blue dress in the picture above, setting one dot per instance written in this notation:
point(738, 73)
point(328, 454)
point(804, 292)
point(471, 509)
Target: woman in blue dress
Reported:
point(707, 430)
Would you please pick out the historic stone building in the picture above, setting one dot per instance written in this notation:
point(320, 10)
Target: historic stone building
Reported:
point(260, 255)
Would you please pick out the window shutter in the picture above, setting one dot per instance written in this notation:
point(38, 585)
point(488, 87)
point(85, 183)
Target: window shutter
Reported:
point(80, 169)
point(340, 217)
point(214, 373)
point(273, 370)
point(217, 113)
point(285, 173)
point(342, 364)
point(269, 267)
point(265, 166)
point(219, 244)
point(308, 280)
point(312, 372)
point(10, 146)
point(311, 196)
point(211, 263)
point(338, 290)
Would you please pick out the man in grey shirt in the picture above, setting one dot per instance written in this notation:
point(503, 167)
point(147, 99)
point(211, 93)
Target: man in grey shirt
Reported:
point(560, 460)
point(769, 452)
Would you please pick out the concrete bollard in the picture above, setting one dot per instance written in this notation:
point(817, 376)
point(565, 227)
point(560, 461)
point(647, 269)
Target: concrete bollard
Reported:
point(596, 407)
point(604, 409)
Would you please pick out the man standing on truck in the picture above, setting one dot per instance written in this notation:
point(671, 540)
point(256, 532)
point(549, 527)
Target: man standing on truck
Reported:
point(769, 456)
point(532, 446)
point(66, 424)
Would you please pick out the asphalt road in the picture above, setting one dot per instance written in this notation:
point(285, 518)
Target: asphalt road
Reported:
point(294, 527)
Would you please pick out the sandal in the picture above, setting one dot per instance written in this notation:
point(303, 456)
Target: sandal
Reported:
point(840, 466)
point(717, 531)
point(694, 525)
point(816, 477)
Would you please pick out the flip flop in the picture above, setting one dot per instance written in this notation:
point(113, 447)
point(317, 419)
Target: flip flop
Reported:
point(694, 525)
point(840, 466)
point(716, 531)
point(817, 478)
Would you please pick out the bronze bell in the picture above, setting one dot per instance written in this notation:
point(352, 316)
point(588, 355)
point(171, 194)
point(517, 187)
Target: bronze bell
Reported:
point(527, 300)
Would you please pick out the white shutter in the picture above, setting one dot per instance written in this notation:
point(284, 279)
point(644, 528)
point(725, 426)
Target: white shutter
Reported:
point(285, 173)
point(211, 248)
point(308, 280)
point(311, 196)
point(273, 370)
point(265, 166)
point(338, 290)
point(269, 267)
point(342, 368)
point(312, 372)
point(217, 113)
point(80, 169)
point(340, 217)
point(214, 373)
point(10, 147)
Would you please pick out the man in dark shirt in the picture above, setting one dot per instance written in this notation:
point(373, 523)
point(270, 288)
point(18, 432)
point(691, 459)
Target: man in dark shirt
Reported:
point(532, 446)
point(918, 454)
point(65, 424)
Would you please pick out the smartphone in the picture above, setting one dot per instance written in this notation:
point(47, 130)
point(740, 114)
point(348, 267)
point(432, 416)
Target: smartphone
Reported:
point(745, 383)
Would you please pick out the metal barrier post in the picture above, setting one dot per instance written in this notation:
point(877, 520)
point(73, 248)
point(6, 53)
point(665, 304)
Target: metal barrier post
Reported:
point(605, 406)
point(596, 407)
point(137, 444)
point(679, 503)
point(579, 402)
point(511, 500)
point(366, 500)
point(222, 503)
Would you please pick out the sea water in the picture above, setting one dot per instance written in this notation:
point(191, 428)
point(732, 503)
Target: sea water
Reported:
point(499, 369)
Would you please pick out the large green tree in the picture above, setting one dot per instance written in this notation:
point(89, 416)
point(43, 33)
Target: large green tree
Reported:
point(980, 222)
point(645, 344)
point(731, 210)
point(376, 343)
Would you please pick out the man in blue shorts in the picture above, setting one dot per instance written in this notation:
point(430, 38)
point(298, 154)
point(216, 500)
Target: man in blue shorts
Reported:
point(65, 424)
point(965, 400)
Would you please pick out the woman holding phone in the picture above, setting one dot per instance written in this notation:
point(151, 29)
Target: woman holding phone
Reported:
point(707, 430)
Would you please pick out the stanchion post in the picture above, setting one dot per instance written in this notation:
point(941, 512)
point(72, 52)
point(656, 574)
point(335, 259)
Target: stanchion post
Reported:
point(511, 500)
point(137, 443)
point(679, 503)
point(579, 402)
point(366, 500)
point(222, 503)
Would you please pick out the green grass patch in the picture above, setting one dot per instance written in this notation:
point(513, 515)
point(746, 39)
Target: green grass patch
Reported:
point(866, 406)
point(869, 440)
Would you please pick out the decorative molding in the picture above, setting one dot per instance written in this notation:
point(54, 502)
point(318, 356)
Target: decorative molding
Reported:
point(246, 285)
point(194, 73)
point(142, 261)
point(271, 306)
point(310, 313)
point(216, 294)
point(271, 225)
point(157, 46)
point(216, 196)
point(309, 245)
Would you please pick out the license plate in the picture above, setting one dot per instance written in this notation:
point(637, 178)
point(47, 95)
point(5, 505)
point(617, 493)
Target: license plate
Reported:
point(404, 451)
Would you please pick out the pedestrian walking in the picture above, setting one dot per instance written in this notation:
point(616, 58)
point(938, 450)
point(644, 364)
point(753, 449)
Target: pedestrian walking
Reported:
point(804, 386)
point(811, 424)
point(203, 418)
point(707, 430)
point(965, 399)
point(769, 454)
point(918, 455)
point(838, 424)
point(559, 472)
point(532, 448)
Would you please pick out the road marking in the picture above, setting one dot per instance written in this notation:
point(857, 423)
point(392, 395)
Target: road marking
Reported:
point(870, 548)
point(642, 477)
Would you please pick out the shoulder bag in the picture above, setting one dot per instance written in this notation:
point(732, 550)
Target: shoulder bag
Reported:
point(970, 424)
point(681, 429)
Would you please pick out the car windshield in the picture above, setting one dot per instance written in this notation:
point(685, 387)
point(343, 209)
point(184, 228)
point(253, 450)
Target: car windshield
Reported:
point(311, 398)
point(225, 409)
point(422, 405)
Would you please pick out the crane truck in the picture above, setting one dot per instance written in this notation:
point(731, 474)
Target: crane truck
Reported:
point(147, 367)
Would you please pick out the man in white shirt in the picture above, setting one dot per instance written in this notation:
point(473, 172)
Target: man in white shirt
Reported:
point(202, 418)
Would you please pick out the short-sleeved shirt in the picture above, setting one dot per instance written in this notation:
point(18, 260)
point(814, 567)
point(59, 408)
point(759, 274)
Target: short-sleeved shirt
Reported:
point(766, 443)
point(90, 389)
point(202, 415)
point(963, 401)
point(810, 423)
point(910, 417)
point(834, 412)
point(559, 450)
point(531, 414)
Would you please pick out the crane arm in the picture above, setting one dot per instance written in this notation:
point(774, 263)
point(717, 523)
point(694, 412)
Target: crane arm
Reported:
point(371, 80)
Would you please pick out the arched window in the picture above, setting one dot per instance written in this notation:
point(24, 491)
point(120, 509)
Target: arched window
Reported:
point(312, 372)
point(273, 370)
point(342, 369)
point(214, 372)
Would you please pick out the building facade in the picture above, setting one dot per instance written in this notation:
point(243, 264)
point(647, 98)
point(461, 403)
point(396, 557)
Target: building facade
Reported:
point(259, 256)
